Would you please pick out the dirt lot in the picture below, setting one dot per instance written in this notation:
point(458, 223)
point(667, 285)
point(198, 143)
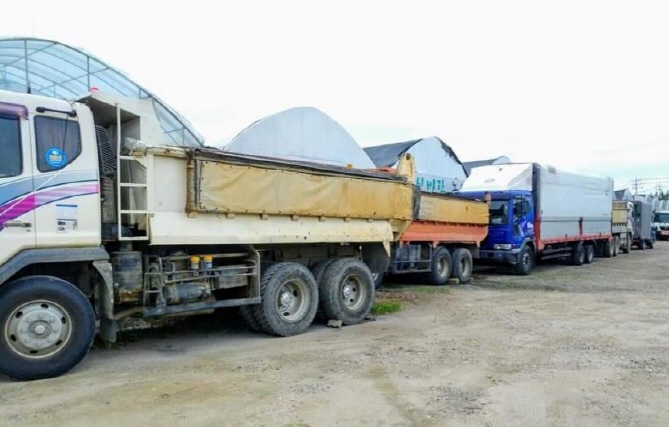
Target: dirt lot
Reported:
point(567, 346)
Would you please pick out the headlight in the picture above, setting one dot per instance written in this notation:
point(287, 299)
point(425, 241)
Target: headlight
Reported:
point(502, 247)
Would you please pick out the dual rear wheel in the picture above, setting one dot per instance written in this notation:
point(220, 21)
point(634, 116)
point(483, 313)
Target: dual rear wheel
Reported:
point(445, 265)
point(341, 289)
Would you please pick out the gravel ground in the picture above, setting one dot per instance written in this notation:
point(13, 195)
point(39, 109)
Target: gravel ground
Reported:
point(566, 346)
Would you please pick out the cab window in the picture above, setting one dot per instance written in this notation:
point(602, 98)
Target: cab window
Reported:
point(10, 147)
point(58, 142)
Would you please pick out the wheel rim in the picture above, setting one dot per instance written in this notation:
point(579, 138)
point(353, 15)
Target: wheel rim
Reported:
point(353, 292)
point(442, 266)
point(292, 300)
point(38, 329)
point(581, 256)
point(526, 261)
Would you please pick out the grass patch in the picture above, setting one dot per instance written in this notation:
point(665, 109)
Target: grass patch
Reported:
point(414, 289)
point(386, 307)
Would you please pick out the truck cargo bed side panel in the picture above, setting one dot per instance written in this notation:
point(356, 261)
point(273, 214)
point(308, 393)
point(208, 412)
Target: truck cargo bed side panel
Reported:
point(232, 188)
point(573, 206)
point(452, 210)
point(439, 232)
point(177, 228)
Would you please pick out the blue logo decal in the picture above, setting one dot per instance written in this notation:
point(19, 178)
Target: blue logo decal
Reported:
point(55, 157)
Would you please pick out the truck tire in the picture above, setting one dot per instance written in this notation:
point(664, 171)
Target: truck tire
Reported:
point(642, 245)
point(289, 299)
point(616, 245)
point(47, 326)
point(526, 261)
point(377, 260)
point(462, 265)
point(589, 254)
point(318, 270)
point(248, 315)
point(628, 245)
point(578, 254)
point(248, 311)
point(607, 250)
point(346, 292)
point(650, 244)
point(440, 268)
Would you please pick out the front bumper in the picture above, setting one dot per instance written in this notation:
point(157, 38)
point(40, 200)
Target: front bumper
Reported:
point(498, 256)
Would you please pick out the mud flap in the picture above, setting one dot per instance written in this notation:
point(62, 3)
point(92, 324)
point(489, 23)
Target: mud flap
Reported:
point(104, 295)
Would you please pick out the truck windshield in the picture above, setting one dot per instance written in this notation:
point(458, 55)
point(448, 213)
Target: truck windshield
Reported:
point(499, 212)
point(661, 217)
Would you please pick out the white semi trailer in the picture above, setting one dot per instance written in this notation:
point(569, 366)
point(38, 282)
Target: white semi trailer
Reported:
point(100, 220)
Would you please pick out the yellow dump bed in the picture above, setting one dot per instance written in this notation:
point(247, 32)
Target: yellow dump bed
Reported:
point(205, 196)
point(619, 212)
point(450, 209)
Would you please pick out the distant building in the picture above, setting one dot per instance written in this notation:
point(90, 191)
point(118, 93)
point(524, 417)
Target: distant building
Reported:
point(438, 169)
point(501, 160)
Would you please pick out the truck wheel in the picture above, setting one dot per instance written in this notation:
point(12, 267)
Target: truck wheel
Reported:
point(463, 265)
point(248, 312)
point(607, 251)
point(248, 315)
point(650, 244)
point(578, 254)
point(642, 245)
point(628, 243)
point(47, 325)
point(377, 260)
point(589, 254)
point(318, 270)
point(616, 245)
point(525, 263)
point(289, 299)
point(377, 278)
point(440, 268)
point(347, 291)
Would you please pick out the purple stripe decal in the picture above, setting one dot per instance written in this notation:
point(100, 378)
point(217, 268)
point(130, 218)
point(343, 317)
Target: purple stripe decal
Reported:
point(15, 208)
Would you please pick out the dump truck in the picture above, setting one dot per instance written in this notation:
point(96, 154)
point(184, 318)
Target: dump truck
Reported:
point(622, 228)
point(102, 220)
point(442, 241)
point(539, 212)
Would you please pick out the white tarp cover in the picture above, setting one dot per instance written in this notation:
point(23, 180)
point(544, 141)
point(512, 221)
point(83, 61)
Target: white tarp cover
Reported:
point(499, 178)
point(302, 133)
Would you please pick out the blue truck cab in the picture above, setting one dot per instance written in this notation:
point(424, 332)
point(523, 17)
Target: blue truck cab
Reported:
point(510, 230)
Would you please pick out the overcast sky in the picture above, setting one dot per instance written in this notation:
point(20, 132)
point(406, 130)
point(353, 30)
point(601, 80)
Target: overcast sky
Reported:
point(582, 85)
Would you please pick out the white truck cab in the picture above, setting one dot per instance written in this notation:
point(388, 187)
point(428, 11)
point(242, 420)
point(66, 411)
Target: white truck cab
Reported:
point(661, 224)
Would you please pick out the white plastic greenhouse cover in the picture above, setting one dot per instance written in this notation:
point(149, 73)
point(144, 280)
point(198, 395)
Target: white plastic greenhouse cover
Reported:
point(56, 70)
point(303, 134)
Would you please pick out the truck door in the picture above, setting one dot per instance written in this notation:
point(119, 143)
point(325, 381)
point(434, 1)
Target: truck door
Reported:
point(66, 181)
point(17, 198)
point(523, 221)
